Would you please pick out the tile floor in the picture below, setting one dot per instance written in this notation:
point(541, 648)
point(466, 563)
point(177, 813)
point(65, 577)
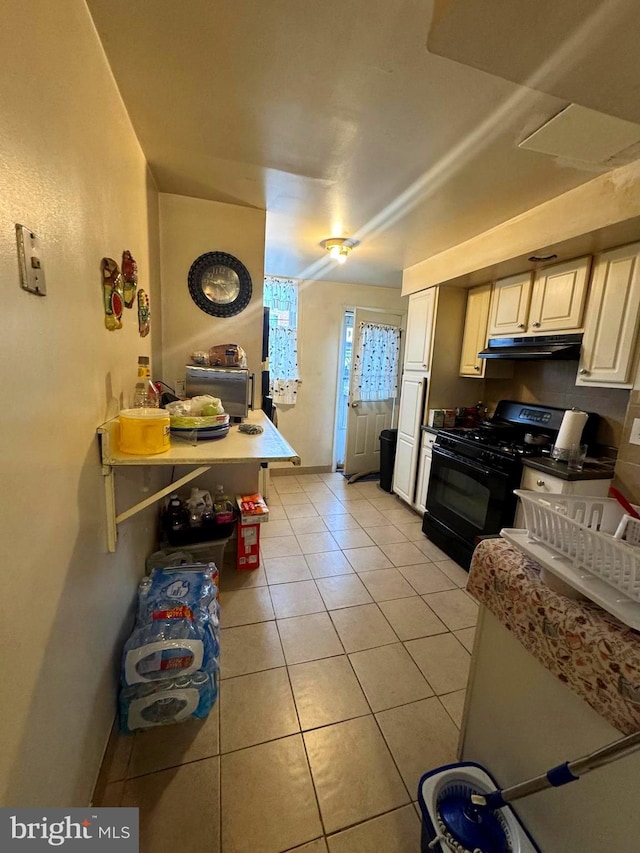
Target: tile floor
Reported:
point(343, 668)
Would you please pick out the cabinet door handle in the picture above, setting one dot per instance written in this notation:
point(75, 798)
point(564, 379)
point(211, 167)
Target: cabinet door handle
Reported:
point(584, 371)
point(521, 325)
point(355, 405)
point(475, 367)
point(536, 324)
point(539, 482)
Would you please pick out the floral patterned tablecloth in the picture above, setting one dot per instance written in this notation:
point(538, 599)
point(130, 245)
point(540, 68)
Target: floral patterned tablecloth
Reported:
point(586, 648)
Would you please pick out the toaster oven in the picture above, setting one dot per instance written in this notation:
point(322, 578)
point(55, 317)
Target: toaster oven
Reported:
point(233, 385)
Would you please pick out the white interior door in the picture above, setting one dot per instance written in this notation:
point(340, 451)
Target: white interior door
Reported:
point(365, 421)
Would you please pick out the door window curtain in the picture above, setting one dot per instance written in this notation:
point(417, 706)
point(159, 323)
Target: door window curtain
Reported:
point(375, 367)
point(281, 297)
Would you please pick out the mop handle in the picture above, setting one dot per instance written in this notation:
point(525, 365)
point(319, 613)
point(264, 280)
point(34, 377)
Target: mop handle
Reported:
point(570, 771)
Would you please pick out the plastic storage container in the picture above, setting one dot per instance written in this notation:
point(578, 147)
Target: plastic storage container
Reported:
point(201, 552)
point(582, 530)
point(388, 442)
point(144, 432)
point(208, 530)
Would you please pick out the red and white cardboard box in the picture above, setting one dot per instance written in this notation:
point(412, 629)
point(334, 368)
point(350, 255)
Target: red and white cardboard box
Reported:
point(253, 509)
point(248, 555)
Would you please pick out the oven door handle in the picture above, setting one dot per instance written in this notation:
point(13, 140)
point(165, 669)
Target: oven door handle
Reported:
point(464, 461)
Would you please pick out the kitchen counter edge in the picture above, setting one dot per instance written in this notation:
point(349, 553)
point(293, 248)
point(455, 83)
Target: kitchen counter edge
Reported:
point(559, 469)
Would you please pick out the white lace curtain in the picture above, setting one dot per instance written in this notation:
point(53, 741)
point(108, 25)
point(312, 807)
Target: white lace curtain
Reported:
point(375, 368)
point(281, 296)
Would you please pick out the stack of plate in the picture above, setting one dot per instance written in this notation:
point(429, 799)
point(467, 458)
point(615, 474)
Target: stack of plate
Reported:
point(202, 428)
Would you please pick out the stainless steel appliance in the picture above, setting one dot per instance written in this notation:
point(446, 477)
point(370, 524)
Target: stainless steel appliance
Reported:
point(534, 348)
point(233, 385)
point(474, 472)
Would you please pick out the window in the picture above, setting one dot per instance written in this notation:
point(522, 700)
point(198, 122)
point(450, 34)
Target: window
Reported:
point(281, 298)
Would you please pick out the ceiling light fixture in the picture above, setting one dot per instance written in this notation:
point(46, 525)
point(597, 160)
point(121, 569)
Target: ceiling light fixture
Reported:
point(339, 247)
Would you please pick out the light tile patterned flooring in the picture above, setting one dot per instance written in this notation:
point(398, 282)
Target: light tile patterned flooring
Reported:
point(343, 668)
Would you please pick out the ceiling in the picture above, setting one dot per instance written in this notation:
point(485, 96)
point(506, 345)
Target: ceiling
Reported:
point(337, 119)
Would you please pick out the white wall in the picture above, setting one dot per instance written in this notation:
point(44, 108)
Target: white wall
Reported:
point(309, 425)
point(190, 227)
point(72, 170)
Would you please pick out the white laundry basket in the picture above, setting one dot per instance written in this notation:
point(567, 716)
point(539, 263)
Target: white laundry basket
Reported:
point(582, 529)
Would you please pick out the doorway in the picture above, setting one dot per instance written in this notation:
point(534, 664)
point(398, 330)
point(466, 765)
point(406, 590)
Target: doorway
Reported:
point(362, 410)
point(342, 407)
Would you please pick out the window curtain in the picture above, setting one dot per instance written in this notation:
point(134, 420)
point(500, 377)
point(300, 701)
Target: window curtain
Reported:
point(375, 368)
point(281, 297)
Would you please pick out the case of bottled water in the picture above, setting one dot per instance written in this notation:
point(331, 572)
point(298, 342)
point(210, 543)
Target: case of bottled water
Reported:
point(170, 661)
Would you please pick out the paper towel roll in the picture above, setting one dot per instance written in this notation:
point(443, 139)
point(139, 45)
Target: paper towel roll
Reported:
point(571, 429)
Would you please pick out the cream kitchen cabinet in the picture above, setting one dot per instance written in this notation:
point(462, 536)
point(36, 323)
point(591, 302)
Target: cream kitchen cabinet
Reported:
point(419, 340)
point(558, 297)
point(409, 422)
point(611, 323)
point(510, 305)
point(539, 481)
point(424, 469)
point(475, 331)
point(431, 377)
point(551, 301)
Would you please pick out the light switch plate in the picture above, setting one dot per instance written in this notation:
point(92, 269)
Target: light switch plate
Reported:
point(634, 438)
point(30, 261)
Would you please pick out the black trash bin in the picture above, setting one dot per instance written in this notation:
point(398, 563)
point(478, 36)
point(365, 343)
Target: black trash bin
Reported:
point(388, 441)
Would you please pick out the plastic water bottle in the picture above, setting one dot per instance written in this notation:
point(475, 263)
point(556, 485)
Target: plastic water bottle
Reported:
point(176, 519)
point(222, 506)
point(146, 394)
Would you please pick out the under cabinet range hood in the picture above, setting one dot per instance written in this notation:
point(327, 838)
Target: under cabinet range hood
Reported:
point(534, 348)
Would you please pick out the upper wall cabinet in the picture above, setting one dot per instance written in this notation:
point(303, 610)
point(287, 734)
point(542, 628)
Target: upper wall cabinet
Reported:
point(475, 331)
point(558, 297)
point(510, 305)
point(417, 351)
point(611, 326)
point(552, 301)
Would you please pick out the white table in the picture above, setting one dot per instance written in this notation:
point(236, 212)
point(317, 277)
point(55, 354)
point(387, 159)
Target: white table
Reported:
point(235, 448)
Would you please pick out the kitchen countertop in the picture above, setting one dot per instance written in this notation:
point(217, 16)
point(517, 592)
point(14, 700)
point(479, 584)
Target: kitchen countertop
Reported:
point(236, 447)
point(589, 650)
point(593, 471)
point(434, 430)
point(552, 679)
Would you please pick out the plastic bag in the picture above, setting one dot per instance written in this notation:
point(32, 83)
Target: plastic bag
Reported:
point(194, 407)
point(176, 629)
point(162, 703)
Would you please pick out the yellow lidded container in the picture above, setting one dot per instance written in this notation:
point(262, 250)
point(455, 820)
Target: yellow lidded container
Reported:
point(144, 432)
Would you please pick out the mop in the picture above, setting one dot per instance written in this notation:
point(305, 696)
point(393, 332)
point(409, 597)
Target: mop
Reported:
point(462, 814)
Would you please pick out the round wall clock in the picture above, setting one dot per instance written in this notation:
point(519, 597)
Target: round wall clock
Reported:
point(219, 284)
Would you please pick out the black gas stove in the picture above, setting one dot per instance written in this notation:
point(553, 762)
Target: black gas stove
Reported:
point(475, 470)
point(479, 442)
